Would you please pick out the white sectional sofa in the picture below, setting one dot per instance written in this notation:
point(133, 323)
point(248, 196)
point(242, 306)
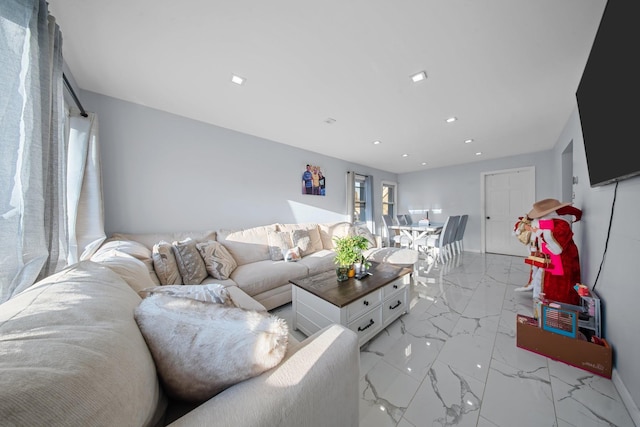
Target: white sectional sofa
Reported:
point(258, 273)
point(72, 352)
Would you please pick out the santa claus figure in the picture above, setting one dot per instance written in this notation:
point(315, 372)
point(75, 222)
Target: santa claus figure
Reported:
point(551, 225)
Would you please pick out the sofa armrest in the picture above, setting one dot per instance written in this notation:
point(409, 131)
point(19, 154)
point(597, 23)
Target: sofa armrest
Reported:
point(317, 384)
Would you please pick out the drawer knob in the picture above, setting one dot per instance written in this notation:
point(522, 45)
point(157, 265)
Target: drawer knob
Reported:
point(395, 286)
point(365, 302)
point(362, 328)
point(392, 307)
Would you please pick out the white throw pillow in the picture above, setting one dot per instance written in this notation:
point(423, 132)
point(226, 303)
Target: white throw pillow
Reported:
point(292, 254)
point(201, 348)
point(279, 244)
point(217, 259)
point(212, 292)
point(302, 240)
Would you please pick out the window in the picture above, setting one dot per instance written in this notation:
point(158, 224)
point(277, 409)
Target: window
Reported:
point(359, 197)
point(359, 200)
point(389, 199)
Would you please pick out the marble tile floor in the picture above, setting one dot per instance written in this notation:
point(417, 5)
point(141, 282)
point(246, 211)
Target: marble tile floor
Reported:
point(453, 360)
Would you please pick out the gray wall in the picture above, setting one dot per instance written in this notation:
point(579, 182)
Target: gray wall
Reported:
point(164, 172)
point(457, 189)
point(618, 279)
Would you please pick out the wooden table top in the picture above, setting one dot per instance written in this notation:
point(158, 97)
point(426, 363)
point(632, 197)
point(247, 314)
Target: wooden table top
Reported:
point(326, 286)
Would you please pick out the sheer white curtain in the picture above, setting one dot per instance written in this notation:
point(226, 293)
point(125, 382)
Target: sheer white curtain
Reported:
point(33, 223)
point(84, 188)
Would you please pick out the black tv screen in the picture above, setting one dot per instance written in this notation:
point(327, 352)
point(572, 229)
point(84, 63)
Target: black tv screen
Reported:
point(608, 96)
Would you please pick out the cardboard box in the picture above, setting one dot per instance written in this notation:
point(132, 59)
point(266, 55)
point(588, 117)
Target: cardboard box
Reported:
point(575, 352)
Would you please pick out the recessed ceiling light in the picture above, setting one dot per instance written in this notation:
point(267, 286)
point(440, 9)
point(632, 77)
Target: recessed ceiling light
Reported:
point(405, 155)
point(478, 153)
point(237, 79)
point(424, 163)
point(422, 75)
point(451, 119)
point(468, 141)
point(330, 121)
point(376, 142)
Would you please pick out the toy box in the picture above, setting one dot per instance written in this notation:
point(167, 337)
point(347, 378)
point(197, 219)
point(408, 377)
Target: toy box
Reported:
point(582, 354)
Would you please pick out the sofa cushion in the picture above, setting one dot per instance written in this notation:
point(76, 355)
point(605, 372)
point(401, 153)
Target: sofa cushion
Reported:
point(247, 245)
point(279, 244)
point(319, 262)
point(214, 293)
point(391, 255)
point(132, 270)
point(315, 242)
point(190, 264)
point(202, 348)
point(150, 239)
point(165, 265)
point(258, 277)
point(133, 248)
point(330, 230)
point(217, 259)
point(72, 354)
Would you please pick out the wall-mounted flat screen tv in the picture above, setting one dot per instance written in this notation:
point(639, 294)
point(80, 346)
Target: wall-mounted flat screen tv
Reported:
point(608, 96)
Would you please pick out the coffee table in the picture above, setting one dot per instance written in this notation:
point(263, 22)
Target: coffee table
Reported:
point(365, 306)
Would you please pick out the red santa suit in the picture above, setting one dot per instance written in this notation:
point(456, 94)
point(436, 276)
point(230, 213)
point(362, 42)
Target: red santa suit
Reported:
point(552, 224)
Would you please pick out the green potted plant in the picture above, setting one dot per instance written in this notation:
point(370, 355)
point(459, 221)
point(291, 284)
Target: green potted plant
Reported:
point(348, 251)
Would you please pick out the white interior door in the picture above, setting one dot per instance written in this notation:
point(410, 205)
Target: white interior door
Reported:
point(507, 196)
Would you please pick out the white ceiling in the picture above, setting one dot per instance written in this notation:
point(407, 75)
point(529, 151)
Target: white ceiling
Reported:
point(507, 69)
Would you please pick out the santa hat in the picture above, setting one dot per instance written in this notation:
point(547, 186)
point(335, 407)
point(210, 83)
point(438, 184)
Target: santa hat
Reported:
point(570, 210)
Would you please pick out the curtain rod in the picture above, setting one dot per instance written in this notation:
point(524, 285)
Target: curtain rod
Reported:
point(74, 96)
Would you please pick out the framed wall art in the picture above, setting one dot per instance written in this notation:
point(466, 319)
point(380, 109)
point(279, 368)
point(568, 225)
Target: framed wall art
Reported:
point(313, 180)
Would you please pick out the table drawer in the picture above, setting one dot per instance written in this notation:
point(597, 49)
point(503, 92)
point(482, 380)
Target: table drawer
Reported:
point(396, 285)
point(367, 302)
point(367, 325)
point(392, 308)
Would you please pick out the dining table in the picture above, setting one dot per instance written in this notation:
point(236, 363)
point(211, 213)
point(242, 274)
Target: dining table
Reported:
point(417, 231)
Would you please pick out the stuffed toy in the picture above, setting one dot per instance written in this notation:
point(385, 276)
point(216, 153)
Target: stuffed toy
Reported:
point(551, 225)
point(522, 231)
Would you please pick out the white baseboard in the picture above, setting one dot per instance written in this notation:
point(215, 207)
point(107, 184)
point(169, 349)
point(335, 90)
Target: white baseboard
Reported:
point(634, 412)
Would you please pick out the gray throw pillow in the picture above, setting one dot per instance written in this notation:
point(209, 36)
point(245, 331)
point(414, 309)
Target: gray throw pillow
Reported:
point(190, 263)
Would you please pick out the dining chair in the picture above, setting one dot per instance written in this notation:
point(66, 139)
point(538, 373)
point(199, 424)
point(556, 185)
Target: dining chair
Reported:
point(462, 225)
point(436, 245)
point(450, 236)
point(394, 236)
point(401, 220)
point(409, 219)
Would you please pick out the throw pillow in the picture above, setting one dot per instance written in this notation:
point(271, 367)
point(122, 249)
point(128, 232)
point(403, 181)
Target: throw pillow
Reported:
point(360, 230)
point(190, 264)
point(279, 244)
point(302, 240)
point(201, 348)
point(211, 292)
point(217, 259)
point(164, 264)
point(292, 254)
